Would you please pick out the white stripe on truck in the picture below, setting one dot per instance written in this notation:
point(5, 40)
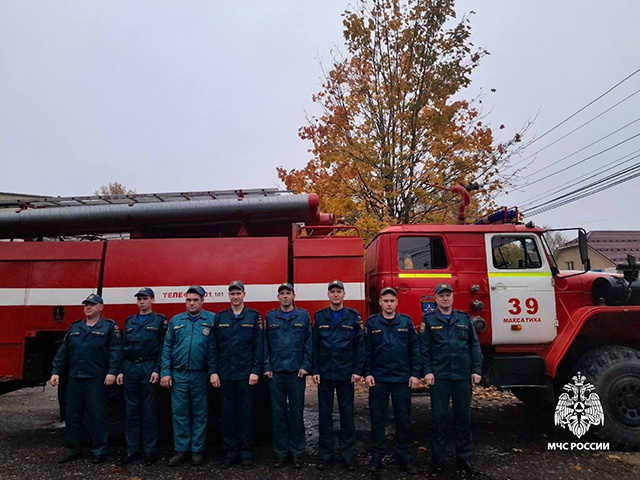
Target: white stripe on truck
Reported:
point(174, 294)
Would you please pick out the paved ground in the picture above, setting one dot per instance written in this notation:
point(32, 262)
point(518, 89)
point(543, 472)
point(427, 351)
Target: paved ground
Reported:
point(511, 443)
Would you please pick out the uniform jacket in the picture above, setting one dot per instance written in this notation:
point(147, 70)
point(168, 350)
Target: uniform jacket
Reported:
point(338, 349)
point(450, 350)
point(393, 350)
point(186, 344)
point(287, 343)
point(144, 340)
point(236, 346)
point(89, 352)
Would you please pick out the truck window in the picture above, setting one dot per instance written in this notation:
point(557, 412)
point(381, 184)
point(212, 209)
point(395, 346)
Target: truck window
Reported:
point(421, 253)
point(515, 253)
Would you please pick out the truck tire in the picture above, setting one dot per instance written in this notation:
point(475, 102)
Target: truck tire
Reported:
point(532, 397)
point(615, 372)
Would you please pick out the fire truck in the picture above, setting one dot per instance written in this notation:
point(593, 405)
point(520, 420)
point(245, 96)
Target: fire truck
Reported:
point(538, 326)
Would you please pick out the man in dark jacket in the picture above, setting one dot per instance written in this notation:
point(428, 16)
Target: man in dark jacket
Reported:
point(452, 362)
point(287, 361)
point(338, 363)
point(140, 374)
point(392, 368)
point(91, 353)
point(235, 362)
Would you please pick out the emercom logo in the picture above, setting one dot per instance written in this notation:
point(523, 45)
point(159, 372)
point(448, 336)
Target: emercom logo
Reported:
point(575, 410)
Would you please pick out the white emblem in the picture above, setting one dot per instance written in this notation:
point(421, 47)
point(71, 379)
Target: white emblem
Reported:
point(577, 411)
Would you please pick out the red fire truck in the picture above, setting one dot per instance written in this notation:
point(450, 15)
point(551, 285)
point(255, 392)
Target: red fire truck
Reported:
point(538, 326)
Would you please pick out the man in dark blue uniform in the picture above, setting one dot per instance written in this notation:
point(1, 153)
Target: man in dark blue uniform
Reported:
point(141, 345)
point(91, 352)
point(185, 370)
point(287, 360)
point(338, 363)
point(452, 362)
point(392, 368)
point(235, 363)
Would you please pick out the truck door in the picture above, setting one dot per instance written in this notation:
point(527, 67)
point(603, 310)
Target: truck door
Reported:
point(523, 307)
point(420, 262)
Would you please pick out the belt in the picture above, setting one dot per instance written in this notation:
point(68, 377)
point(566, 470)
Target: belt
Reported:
point(141, 359)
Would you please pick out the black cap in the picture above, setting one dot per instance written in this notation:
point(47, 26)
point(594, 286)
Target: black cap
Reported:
point(336, 283)
point(196, 289)
point(286, 286)
point(441, 287)
point(93, 298)
point(390, 290)
point(237, 284)
point(146, 291)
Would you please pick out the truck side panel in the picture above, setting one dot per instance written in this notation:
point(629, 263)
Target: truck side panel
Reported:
point(170, 266)
point(35, 278)
point(318, 261)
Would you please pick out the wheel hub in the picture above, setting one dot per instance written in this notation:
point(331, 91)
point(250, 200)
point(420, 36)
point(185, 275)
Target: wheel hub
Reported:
point(624, 400)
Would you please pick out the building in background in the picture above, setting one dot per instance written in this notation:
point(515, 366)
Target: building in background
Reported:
point(607, 248)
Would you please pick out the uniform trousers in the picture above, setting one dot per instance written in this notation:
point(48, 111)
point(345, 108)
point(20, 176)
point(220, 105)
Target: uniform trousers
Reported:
point(287, 405)
point(459, 393)
point(347, 440)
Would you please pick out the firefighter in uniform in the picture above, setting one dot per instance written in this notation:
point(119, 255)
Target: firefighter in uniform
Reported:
point(452, 362)
point(287, 360)
point(338, 363)
point(91, 352)
point(140, 373)
point(185, 372)
point(392, 368)
point(235, 363)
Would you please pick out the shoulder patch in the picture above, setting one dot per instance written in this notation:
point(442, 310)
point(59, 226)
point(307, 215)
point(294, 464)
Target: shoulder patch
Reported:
point(423, 327)
point(117, 333)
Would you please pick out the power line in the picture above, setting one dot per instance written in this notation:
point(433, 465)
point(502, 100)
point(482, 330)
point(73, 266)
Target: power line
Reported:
point(606, 187)
point(581, 161)
point(627, 174)
point(552, 191)
point(578, 128)
point(579, 110)
point(593, 184)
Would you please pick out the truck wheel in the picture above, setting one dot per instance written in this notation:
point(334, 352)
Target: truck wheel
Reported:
point(532, 397)
point(615, 372)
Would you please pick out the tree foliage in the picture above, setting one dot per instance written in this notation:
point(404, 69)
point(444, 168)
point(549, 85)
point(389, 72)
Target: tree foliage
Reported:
point(114, 188)
point(391, 119)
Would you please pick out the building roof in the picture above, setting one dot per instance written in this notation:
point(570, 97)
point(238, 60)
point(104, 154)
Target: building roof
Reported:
point(615, 245)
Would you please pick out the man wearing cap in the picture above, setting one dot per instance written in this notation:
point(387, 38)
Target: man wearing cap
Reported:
point(235, 363)
point(287, 359)
point(452, 362)
point(392, 368)
point(140, 373)
point(185, 372)
point(91, 353)
point(338, 363)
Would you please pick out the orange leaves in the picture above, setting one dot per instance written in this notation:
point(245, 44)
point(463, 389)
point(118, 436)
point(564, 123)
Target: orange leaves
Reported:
point(391, 119)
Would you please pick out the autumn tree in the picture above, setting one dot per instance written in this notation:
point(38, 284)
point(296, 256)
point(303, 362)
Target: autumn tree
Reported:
point(114, 188)
point(392, 119)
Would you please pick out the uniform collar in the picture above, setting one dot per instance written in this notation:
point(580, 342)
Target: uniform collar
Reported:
point(440, 317)
point(150, 315)
point(240, 315)
point(386, 321)
point(187, 315)
point(98, 324)
point(292, 313)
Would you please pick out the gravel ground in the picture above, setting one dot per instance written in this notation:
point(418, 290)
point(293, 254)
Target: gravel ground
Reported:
point(511, 443)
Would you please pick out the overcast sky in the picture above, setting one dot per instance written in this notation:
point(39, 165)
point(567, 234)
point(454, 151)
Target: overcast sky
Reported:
point(204, 95)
